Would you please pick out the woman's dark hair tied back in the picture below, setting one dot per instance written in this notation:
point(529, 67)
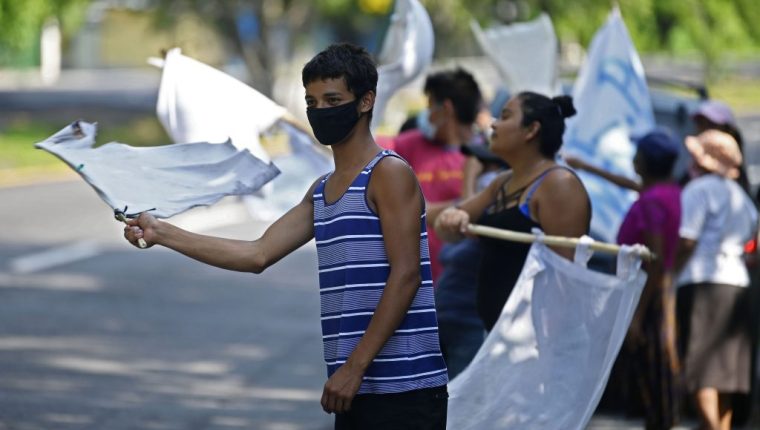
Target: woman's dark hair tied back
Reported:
point(551, 114)
point(565, 106)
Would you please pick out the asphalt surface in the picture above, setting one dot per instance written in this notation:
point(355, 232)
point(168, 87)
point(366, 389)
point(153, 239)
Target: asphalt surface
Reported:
point(131, 339)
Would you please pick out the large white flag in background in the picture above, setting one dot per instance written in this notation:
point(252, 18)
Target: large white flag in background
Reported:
point(407, 51)
point(165, 180)
point(545, 364)
point(199, 103)
point(613, 104)
point(525, 54)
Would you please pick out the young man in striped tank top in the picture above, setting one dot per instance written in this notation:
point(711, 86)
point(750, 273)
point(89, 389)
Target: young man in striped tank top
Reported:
point(379, 328)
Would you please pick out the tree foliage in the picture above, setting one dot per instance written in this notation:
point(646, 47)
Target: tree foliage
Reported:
point(704, 28)
point(21, 22)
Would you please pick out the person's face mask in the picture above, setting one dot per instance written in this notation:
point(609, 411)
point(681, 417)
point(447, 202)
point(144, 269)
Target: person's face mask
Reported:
point(424, 126)
point(332, 125)
point(427, 127)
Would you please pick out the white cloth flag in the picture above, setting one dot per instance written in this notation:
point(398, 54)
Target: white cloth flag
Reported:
point(407, 51)
point(166, 180)
point(197, 103)
point(613, 104)
point(546, 362)
point(525, 54)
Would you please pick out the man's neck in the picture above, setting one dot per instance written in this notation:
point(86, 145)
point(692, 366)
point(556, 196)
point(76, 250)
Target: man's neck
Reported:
point(356, 151)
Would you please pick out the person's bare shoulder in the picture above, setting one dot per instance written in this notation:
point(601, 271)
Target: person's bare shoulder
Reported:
point(564, 183)
point(392, 178)
point(394, 173)
point(561, 192)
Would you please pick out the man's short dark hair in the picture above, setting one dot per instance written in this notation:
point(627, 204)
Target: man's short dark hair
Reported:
point(343, 60)
point(458, 86)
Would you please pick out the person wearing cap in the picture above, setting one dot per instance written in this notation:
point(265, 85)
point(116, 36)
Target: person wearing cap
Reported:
point(715, 115)
point(713, 305)
point(712, 114)
point(650, 359)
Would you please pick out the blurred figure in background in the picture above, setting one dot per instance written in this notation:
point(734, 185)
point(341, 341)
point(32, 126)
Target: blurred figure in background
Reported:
point(536, 192)
point(433, 148)
point(459, 326)
point(713, 306)
point(715, 115)
point(650, 359)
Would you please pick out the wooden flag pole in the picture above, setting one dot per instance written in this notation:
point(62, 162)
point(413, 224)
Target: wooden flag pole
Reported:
point(568, 242)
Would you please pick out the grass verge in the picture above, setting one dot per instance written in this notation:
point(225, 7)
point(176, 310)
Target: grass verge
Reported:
point(20, 162)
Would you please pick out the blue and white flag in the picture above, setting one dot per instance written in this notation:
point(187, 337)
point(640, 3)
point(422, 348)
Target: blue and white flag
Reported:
point(613, 104)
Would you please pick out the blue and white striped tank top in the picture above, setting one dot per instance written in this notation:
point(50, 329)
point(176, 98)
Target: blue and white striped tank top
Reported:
point(353, 270)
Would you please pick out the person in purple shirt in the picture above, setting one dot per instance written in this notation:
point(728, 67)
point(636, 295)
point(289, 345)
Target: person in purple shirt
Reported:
point(650, 357)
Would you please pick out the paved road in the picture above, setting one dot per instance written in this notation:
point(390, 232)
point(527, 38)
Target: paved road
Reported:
point(147, 340)
point(117, 338)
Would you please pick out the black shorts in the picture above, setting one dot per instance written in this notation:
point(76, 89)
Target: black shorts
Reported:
point(423, 409)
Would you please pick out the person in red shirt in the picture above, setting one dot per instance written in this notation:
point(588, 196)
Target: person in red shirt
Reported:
point(433, 148)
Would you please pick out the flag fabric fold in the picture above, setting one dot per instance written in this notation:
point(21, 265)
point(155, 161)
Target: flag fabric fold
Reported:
point(198, 103)
point(165, 180)
point(524, 53)
point(613, 103)
point(546, 362)
point(406, 53)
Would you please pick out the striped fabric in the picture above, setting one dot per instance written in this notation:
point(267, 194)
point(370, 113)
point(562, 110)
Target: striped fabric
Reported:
point(353, 270)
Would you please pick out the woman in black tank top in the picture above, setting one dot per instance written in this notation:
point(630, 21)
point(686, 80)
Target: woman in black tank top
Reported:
point(535, 193)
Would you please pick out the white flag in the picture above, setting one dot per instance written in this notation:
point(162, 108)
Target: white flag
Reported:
point(407, 51)
point(197, 103)
point(613, 104)
point(546, 362)
point(165, 180)
point(525, 54)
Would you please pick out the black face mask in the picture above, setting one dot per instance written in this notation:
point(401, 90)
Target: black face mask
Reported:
point(332, 125)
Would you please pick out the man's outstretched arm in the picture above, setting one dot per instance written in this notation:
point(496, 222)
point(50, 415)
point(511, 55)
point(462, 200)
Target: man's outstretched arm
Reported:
point(287, 234)
point(398, 202)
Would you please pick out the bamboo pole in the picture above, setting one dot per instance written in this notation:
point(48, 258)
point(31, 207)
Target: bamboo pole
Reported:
point(567, 242)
